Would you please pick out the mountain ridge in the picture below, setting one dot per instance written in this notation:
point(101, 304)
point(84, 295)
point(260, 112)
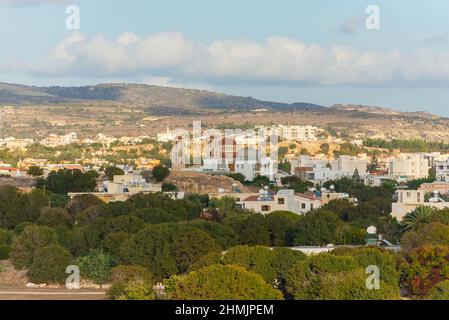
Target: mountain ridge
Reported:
point(162, 100)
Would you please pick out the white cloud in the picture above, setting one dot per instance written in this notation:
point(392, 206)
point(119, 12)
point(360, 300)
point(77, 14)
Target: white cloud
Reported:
point(277, 60)
point(25, 3)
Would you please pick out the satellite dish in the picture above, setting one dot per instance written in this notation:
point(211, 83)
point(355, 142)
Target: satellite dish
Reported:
point(221, 190)
point(323, 189)
point(332, 187)
point(371, 230)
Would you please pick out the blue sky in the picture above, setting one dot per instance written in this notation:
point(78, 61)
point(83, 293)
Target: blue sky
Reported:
point(315, 51)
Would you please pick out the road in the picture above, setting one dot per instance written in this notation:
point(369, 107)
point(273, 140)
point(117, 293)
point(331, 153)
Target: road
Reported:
point(50, 294)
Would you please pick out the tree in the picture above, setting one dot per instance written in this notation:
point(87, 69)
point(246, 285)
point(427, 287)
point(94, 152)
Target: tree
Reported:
point(49, 265)
point(169, 187)
point(132, 290)
point(17, 207)
point(224, 283)
point(96, 266)
point(334, 277)
point(251, 230)
point(317, 228)
point(431, 234)
point(223, 235)
point(280, 225)
point(112, 171)
point(256, 259)
point(54, 217)
point(65, 181)
point(160, 173)
point(30, 240)
point(82, 202)
point(417, 218)
point(272, 265)
point(188, 247)
point(151, 248)
point(35, 171)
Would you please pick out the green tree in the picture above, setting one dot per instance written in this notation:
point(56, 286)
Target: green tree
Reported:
point(30, 240)
point(112, 171)
point(280, 224)
point(191, 245)
point(432, 234)
point(417, 218)
point(35, 171)
point(54, 217)
point(49, 265)
point(160, 173)
point(224, 283)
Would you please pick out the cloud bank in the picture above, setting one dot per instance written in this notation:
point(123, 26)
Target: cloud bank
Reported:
point(277, 60)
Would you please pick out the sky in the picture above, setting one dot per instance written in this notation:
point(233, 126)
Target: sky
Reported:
point(322, 51)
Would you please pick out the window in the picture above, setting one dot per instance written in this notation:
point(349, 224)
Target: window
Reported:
point(281, 201)
point(303, 205)
point(311, 206)
point(265, 208)
point(409, 194)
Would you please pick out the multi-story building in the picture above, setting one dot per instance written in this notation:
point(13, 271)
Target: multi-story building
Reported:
point(410, 167)
point(409, 200)
point(442, 170)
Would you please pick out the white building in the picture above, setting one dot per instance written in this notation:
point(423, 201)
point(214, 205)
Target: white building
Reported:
point(167, 136)
point(291, 132)
point(409, 200)
point(284, 200)
point(442, 170)
point(410, 167)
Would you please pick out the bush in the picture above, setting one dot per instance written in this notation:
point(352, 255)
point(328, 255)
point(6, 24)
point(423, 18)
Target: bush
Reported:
point(49, 265)
point(30, 240)
point(96, 266)
point(423, 268)
point(224, 283)
point(440, 291)
point(431, 234)
point(4, 252)
point(131, 283)
point(132, 290)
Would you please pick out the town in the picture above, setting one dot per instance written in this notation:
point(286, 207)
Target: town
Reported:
point(327, 193)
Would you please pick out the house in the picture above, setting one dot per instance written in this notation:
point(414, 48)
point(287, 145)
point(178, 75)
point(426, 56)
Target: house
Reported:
point(283, 200)
point(409, 200)
point(124, 186)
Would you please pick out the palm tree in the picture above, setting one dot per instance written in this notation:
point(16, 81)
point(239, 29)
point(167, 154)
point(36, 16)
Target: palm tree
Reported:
point(417, 218)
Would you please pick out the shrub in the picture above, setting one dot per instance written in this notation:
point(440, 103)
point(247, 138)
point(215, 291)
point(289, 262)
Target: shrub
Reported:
point(424, 267)
point(131, 283)
point(4, 252)
point(49, 265)
point(224, 283)
point(440, 291)
point(96, 266)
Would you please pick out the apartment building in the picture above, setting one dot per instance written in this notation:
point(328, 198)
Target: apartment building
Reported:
point(410, 167)
point(291, 132)
point(442, 170)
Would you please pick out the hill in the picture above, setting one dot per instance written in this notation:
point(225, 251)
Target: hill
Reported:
point(156, 99)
